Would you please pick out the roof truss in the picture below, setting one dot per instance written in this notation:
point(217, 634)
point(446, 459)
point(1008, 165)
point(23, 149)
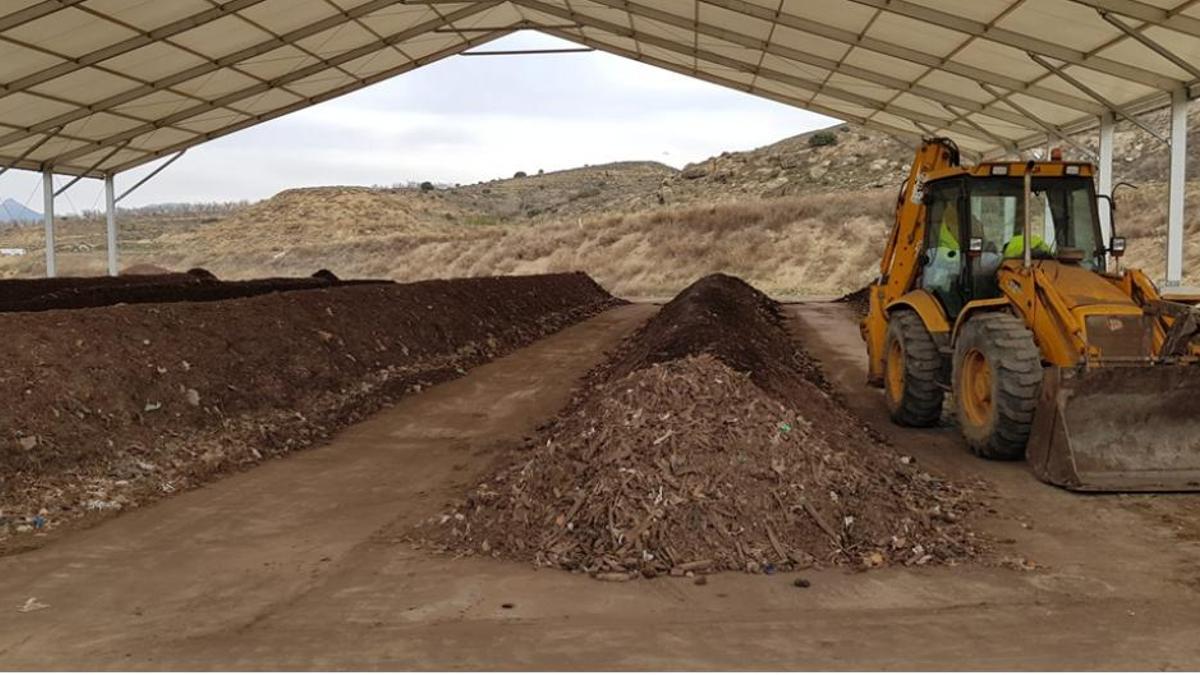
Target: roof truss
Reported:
point(92, 87)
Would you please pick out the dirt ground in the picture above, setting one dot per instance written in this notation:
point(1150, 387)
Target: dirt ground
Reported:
point(296, 564)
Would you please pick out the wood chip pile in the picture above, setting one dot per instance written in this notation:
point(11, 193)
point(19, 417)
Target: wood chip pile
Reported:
point(692, 464)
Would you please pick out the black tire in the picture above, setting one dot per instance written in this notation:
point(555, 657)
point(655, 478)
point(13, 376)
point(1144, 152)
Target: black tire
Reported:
point(1003, 345)
point(914, 398)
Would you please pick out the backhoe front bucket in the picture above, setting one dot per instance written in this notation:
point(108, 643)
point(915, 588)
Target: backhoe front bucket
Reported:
point(1118, 429)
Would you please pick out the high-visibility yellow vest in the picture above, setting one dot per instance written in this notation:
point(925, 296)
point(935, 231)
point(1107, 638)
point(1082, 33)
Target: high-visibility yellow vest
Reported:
point(948, 234)
point(1015, 248)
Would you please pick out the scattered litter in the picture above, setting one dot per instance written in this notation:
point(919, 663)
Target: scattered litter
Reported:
point(32, 605)
point(615, 576)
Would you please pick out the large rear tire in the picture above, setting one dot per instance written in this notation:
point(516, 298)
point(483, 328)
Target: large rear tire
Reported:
point(997, 378)
point(910, 373)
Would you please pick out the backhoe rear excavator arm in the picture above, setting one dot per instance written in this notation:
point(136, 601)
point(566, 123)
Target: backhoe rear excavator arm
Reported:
point(901, 258)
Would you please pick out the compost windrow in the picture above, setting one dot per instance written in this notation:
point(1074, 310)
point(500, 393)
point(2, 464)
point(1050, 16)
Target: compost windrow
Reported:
point(39, 295)
point(111, 407)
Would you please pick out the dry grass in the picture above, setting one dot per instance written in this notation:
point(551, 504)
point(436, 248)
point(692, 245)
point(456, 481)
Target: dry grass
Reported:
point(819, 244)
point(801, 245)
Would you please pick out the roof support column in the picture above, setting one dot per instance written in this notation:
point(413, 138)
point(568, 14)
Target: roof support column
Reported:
point(1104, 178)
point(110, 213)
point(48, 219)
point(1176, 187)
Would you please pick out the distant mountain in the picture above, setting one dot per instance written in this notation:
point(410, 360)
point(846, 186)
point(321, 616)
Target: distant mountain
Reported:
point(13, 212)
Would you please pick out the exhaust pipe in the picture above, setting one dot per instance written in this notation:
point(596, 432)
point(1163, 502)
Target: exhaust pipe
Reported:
point(1028, 228)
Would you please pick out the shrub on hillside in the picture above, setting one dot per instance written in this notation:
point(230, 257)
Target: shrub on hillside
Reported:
point(822, 138)
point(426, 186)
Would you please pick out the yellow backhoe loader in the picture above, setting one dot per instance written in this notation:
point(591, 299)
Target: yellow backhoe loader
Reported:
point(997, 287)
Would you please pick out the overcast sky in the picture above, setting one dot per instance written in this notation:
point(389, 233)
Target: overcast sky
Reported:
point(462, 120)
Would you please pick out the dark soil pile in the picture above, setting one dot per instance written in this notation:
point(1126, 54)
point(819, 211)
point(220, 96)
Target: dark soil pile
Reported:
point(726, 317)
point(20, 290)
point(37, 295)
point(707, 443)
point(110, 407)
point(860, 300)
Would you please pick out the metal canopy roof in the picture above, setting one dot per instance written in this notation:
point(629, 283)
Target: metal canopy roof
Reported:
point(94, 87)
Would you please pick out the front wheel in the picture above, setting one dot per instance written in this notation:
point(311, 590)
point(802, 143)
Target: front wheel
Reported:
point(910, 371)
point(997, 377)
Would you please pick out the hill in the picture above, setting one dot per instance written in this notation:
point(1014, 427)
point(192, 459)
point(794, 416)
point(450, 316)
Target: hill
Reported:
point(13, 212)
point(805, 215)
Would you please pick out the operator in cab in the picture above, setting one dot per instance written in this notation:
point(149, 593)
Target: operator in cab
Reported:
point(1015, 248)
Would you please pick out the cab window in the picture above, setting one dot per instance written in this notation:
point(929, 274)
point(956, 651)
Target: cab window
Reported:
point(1062, 215)
point(942, 272)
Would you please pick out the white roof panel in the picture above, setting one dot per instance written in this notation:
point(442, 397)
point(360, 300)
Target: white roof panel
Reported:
point(100, 126)
point(880, 63)
point(277, 62)
point(837, 13)
point(153, 61)
point(111, 84)
point(147, 16)
point(281, 16)
point(69, 31)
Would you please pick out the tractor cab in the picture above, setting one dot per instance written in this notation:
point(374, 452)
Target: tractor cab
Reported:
point(975, 221)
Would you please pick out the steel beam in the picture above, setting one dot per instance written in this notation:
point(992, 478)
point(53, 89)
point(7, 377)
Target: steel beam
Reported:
point(88, 171)
point(1074, 81)
point(782, 51)
point(293, 76)
point(110, 229)
point(28, 151)
point(906, 134)
point(1024, 42)
point(1182, 63)
point(157, 170)
point(904, 53)
point(530, 52)
point(48, 221)
point(1144, 105)
point(1176, 187)
point(1104, 178)
point(34, 11)
point(125, 46)
point(816, 88)
point(1047, 128)
point(522, 25)
point(313, 100)
point(1133, 9)
point(199, 70)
